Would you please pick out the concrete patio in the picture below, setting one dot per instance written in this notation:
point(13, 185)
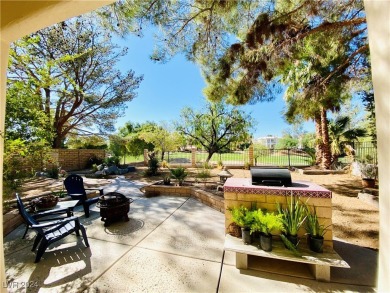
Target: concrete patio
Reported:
point(170, 244)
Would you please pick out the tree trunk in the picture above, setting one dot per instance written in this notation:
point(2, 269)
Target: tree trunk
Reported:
point(326, 152)
point(210, 154)
point(57, 141)
point(317, 121)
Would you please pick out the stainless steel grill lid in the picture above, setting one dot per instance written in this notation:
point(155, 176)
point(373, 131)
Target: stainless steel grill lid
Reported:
point(271, 176)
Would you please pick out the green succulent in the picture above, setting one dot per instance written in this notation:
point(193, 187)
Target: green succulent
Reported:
point(293, 215)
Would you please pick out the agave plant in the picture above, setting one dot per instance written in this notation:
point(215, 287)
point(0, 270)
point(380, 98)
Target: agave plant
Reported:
point(313, 226)
point(293, 215)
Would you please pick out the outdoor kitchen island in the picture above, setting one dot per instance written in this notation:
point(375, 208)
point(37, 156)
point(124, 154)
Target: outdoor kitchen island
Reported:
point(241, 191)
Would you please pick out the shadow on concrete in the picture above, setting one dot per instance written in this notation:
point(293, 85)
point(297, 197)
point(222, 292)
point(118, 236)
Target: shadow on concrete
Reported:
point(119, 229)
point(363, 262)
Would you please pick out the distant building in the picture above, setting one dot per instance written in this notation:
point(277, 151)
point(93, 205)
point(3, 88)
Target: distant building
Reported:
point(269, 141)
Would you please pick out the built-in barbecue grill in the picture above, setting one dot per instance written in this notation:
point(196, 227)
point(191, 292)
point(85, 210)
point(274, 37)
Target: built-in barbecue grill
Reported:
point(271, 176)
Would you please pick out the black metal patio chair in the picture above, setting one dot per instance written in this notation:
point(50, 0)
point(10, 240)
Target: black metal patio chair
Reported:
point(50, 232)
point(75, 187)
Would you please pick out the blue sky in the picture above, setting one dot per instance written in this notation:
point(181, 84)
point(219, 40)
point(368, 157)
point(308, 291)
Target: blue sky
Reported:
point(168, 88)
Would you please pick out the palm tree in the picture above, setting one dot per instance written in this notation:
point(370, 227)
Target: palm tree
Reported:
point(340, 133)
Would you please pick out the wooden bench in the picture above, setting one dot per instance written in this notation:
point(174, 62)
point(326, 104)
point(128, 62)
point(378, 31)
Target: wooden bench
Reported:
point(319, 263)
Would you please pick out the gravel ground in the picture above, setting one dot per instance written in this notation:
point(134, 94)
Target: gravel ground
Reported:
point(354, 220)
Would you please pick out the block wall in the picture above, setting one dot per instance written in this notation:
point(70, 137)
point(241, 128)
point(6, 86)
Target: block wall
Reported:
point(71, 160)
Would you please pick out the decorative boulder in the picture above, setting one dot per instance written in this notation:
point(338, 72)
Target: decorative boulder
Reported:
point(110, 170)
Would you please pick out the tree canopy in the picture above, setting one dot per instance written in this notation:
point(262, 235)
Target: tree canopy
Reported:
point(215, 127)
point(69, 69)
point(163, 137)
point(247, 49)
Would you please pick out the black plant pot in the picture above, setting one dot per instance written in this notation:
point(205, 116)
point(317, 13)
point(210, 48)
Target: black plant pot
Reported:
point(293, 239)
point(255, 236)
point(266, 242)
point(316, 243)
point(246, 236)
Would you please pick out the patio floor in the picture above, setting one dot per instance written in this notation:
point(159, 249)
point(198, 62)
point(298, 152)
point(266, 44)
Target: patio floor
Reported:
point(170, 244)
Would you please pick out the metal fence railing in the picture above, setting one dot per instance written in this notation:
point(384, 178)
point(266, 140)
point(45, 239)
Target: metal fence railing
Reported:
point(282, 158)
point(178, 157)
point(365, 150)
point(268, 157)
point(234, 158)
point(264, 157)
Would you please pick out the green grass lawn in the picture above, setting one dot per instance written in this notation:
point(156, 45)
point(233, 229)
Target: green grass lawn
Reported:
point(131, 159)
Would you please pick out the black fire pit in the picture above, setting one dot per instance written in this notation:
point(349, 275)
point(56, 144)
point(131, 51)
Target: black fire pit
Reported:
point(114, 206)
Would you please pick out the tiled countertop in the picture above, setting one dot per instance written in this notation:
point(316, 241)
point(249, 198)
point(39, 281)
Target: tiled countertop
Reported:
point(299, 188)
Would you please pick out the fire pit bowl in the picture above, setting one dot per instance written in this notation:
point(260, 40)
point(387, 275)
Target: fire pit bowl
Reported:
point(114, 206)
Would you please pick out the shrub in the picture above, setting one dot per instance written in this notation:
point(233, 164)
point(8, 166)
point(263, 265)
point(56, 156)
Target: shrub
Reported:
point(93, 160)
point(242, 216)
point(179, 174)
point(60, 194)
point(207, 166)
point(153, 166)
point(204, 174)
point(53, 173)
point(111, 161)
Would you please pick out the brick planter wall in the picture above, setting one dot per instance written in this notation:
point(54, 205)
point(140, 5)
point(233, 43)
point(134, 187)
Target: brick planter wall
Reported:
point(212, 200)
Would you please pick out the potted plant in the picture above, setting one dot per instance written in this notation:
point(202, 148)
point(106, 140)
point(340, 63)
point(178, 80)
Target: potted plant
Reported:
point(179, 174)
point(292, 217)
point(315, 231)
point(266, 223)
point(368, 173)
point(244, 219)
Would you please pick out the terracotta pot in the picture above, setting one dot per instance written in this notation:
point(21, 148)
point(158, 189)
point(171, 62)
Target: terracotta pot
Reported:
point(368, 183)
